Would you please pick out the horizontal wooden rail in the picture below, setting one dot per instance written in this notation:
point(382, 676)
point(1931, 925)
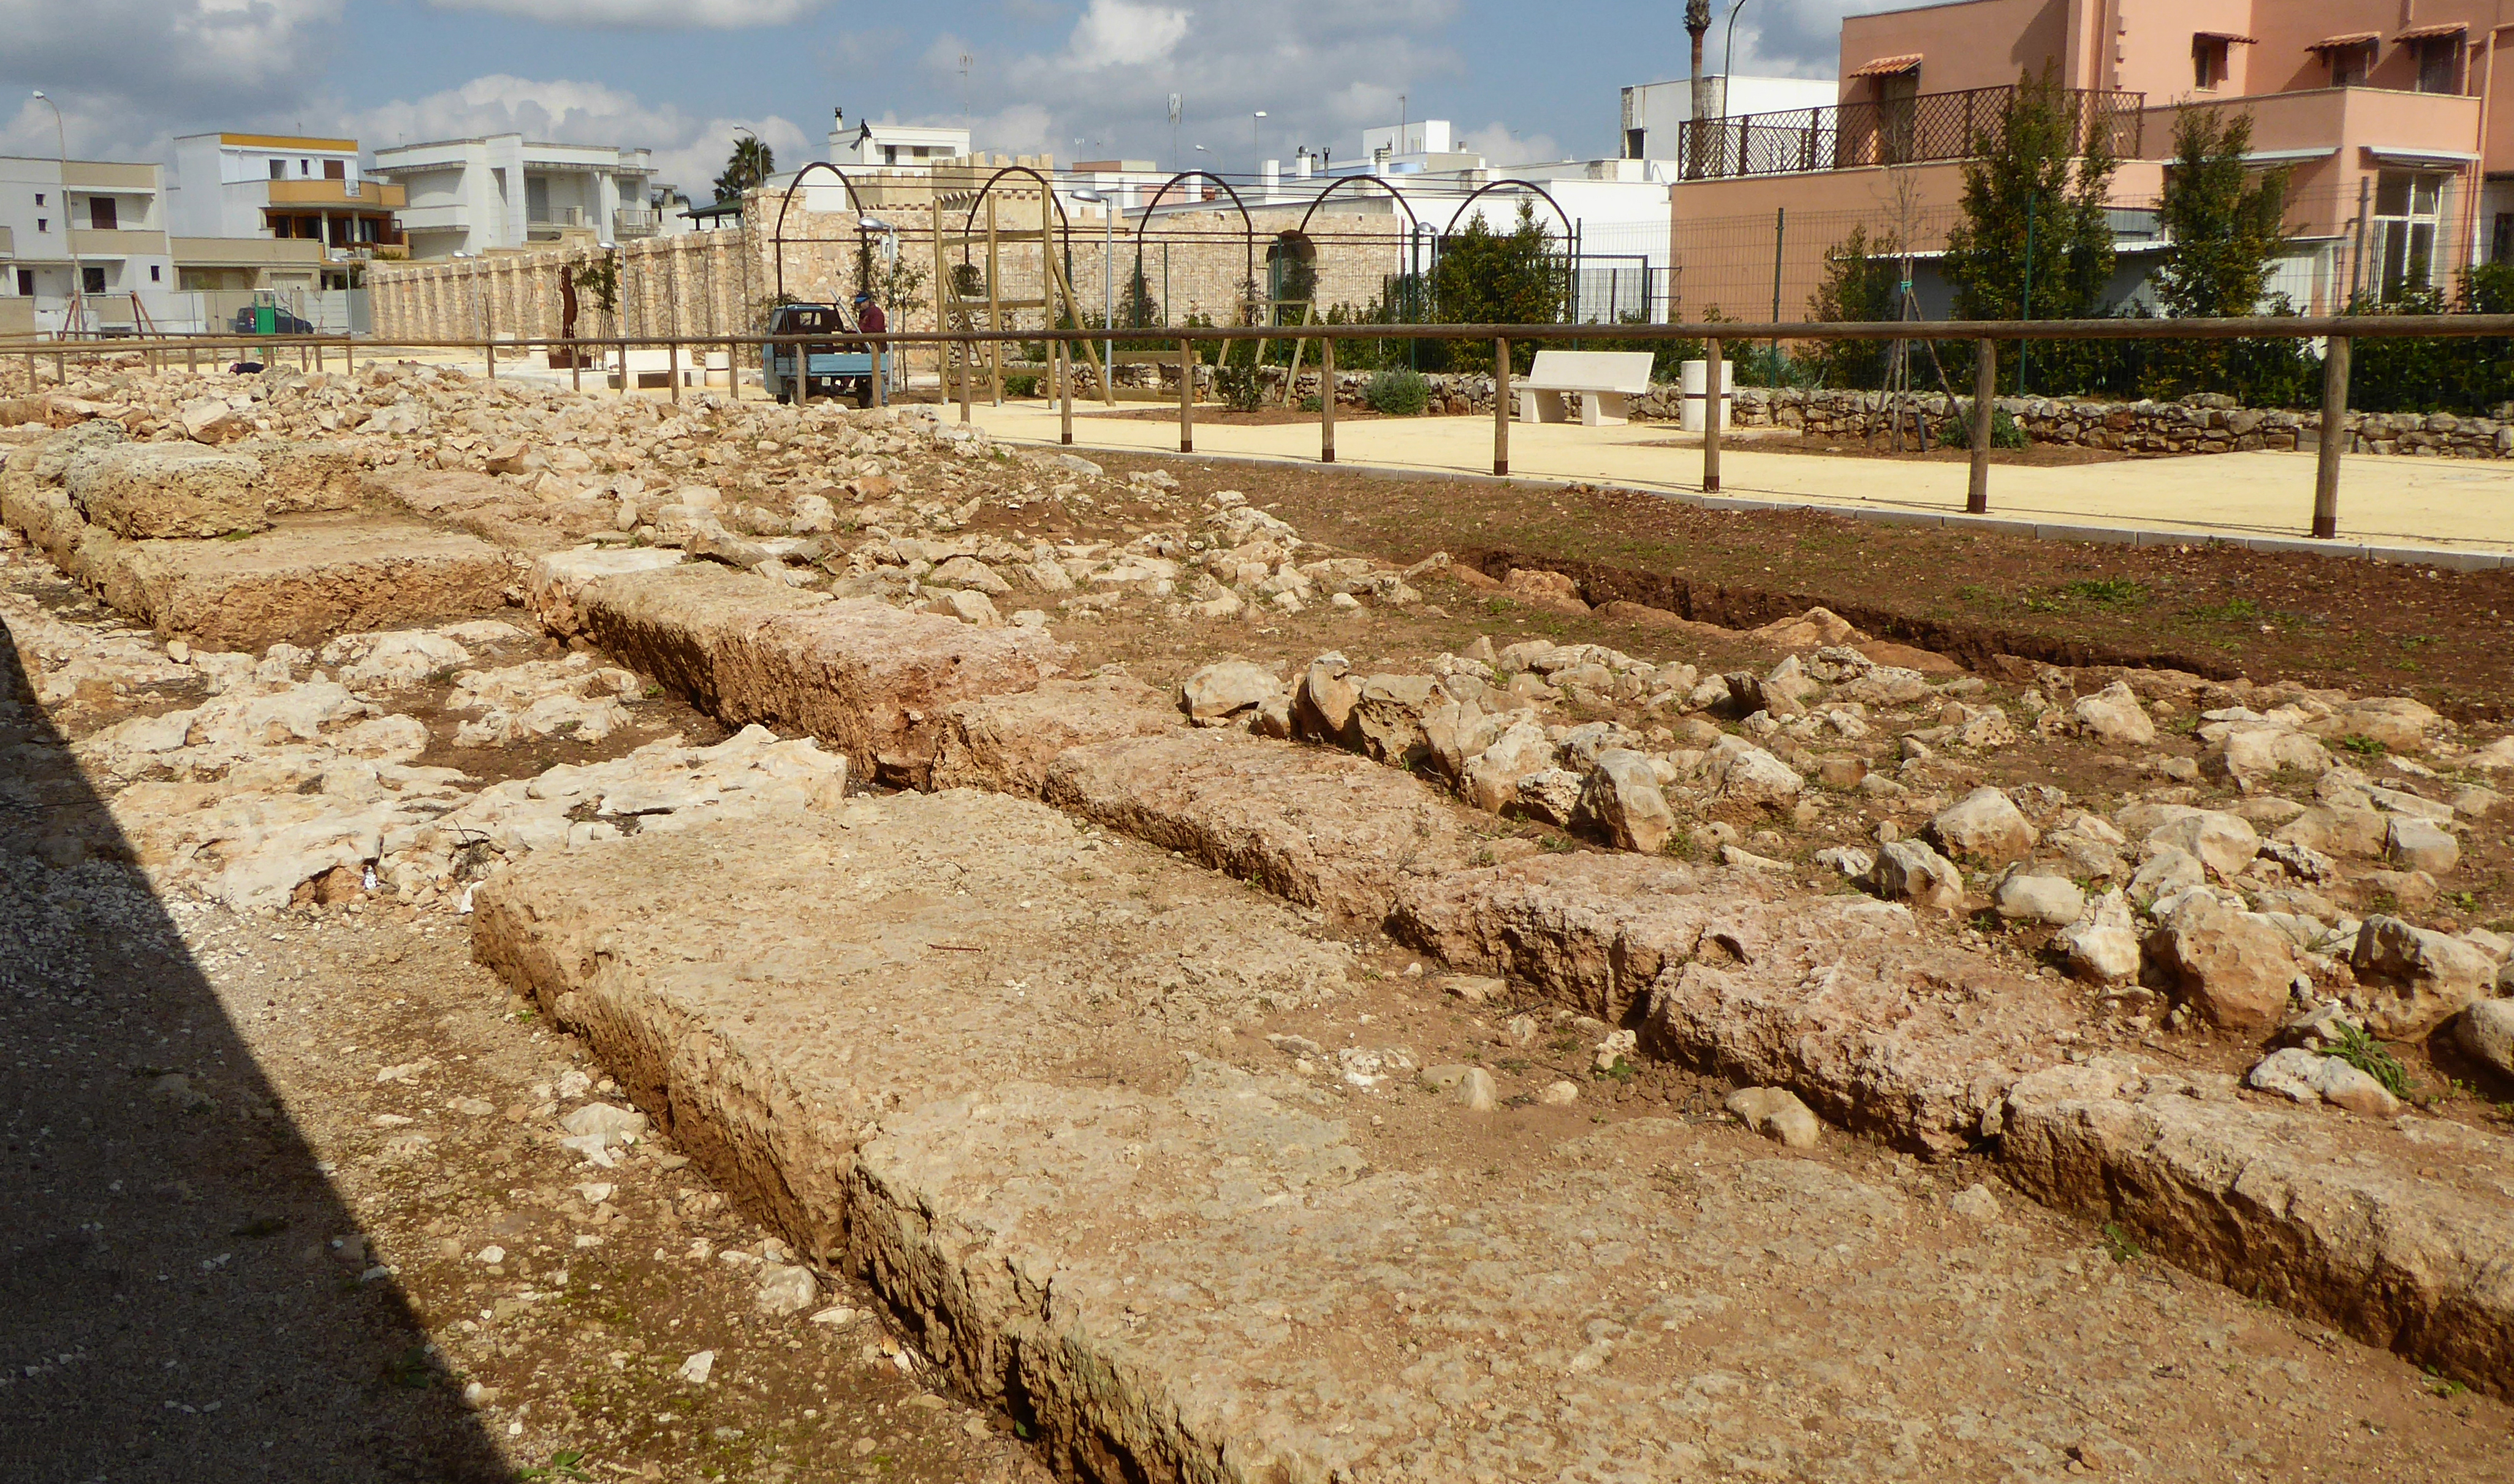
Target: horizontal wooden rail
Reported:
point(2338, 330)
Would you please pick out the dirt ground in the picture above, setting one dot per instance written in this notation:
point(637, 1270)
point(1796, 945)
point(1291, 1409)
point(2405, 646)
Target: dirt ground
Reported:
point(2445, 637)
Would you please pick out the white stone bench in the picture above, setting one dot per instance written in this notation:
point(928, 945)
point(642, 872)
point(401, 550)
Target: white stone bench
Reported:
point(1604, 378)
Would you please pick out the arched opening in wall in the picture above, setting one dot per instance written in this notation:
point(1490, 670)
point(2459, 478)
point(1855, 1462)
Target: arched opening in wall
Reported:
point(1292, 269)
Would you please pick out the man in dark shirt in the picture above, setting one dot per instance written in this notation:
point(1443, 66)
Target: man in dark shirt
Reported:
point(869, 320)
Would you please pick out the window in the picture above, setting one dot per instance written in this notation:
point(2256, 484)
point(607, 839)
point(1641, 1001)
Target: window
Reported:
point(336, 170)
point(156, 273)
point(2440, 65)
point(890, 154)
point(42, 225)
point(1634, 139)
point(2349, 63)
point(39, 199)
point(91, 280)
point(304, 169)
point(2408, 206)
point(26, 282)
point(102, 214)
point(2209, 55)
point(2500, 240)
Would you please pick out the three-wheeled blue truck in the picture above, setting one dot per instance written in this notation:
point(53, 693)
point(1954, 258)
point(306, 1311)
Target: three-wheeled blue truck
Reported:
point(834, 367)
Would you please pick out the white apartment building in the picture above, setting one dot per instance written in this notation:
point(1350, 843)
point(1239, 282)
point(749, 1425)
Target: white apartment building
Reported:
point(284, 188)
point(1654, 112)
point(472, 196)
point(908, 146)
point(96, 226)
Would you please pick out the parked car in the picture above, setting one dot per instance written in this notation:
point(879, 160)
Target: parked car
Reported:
point(835, 368)
point(281, 322)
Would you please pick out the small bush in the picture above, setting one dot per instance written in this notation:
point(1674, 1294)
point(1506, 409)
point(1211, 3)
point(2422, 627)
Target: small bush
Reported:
point(1021, 385)
point(2004, 430)
point(1240, 388)
point(1398, 393)
point(1310, 404)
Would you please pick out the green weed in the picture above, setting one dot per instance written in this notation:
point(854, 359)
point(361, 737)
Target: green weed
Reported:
point(565, 1464)
point(2370, 1057)
point(2107, 592)
point(2231, 611)
point(2119, 1244)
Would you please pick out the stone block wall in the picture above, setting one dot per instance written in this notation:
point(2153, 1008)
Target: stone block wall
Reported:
point(2200, 424)
point(1196, 264)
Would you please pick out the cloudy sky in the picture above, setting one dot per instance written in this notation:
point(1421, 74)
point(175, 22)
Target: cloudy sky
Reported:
point(1080, 78)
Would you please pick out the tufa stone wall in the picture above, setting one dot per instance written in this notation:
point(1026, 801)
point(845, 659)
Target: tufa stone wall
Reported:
point(1195, 265)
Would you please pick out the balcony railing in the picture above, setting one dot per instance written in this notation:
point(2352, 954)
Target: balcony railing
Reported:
point(1933, 126)
point(550, 223)
point(635, 221)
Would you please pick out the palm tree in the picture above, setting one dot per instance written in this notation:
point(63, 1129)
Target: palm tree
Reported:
point(747, 169)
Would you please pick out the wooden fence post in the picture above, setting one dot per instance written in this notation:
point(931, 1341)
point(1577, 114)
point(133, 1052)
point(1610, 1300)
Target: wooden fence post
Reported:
point(1985, 390)
point(2335, 438)
point(1713, 385)
point(1501, 406)
point(1326, 400)
point(1186, 395)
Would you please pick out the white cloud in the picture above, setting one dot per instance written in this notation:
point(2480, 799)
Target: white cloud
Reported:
point(118, 68)
point(1503, 147)
point(689, 151)
point(701, 14)
point(1794, 38)
point(1125, 33)
point(1323, 70)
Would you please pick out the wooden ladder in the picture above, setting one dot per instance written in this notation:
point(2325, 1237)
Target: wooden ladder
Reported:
point(984, 307)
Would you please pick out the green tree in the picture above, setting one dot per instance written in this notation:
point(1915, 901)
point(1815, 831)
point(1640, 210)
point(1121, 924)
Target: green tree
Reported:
point(1485, 277)
point(1862, 282)
point(2225, 222)
point(2225, 228)
point(1135, 308)
point(2461, 376)
point(746, 169)
point(2033, 210)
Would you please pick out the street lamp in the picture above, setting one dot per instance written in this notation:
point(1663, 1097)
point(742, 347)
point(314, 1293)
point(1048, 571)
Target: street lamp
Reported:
point(1729, 58)
point(70, 234)
point(1107, 277)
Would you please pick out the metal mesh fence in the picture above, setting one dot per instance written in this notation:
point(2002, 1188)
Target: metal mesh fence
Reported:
point(1897, 131)
point(2343, 248)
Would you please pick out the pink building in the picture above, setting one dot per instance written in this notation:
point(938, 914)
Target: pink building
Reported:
point(2395, 118)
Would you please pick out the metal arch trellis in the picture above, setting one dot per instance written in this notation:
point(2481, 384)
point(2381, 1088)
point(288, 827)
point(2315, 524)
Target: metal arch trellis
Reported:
point(788, 201)
point(1570, 228)
point(969, 218)
point(1248, 224)
point(1393, 194)
point(1559, 213)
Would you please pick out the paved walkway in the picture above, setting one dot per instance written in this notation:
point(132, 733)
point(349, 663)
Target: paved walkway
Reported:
point(2383, 500)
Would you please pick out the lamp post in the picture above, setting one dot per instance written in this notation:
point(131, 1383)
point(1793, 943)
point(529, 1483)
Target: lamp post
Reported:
point(70, 234)
point(1728, 58)
point(1107, 278)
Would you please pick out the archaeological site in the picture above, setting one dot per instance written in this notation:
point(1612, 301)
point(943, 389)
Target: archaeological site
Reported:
point(569, 935)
